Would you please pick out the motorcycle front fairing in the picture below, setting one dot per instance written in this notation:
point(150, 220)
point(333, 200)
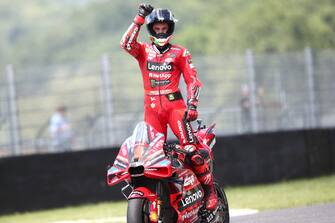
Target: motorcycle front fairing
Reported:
point(141, 154)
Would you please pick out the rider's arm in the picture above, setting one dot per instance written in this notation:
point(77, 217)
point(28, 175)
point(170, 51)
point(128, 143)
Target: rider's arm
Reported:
point(190, 76)
point(129, 39)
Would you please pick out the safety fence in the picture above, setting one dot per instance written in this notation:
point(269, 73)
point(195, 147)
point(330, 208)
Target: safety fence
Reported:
point(242, 93)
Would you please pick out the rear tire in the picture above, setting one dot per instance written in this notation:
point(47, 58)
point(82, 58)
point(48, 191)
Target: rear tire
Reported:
point(223, 202)
point(137, 211)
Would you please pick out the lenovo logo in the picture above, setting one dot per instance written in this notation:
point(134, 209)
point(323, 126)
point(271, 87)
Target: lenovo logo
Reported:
point(189, 200)
point(159, 67)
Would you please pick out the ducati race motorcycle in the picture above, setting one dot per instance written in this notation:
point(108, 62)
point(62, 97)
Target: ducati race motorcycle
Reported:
point(160, 185)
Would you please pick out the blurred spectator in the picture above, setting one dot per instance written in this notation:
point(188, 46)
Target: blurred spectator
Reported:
point(245, 105)
point(60, 130)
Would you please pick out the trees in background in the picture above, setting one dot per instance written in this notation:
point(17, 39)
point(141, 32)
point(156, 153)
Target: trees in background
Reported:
point(45, 31)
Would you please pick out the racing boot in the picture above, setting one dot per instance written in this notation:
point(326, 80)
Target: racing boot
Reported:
point(210, 196)
point(204, 175)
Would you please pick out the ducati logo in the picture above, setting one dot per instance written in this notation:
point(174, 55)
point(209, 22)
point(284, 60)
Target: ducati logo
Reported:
point(181, 131)
point(171, 97)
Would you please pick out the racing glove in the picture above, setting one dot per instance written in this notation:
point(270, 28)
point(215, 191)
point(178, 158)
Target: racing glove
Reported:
point(192, 113)
point(143, 11)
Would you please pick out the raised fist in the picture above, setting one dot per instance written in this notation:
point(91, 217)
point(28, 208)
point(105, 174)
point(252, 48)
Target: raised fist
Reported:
point(144, 10)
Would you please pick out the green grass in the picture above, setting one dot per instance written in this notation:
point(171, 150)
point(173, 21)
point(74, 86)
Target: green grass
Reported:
point(93, 211)
point(262, 197)
point(283, 195)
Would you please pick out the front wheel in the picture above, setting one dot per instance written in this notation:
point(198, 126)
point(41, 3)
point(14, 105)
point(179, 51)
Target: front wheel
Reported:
point(137, 211)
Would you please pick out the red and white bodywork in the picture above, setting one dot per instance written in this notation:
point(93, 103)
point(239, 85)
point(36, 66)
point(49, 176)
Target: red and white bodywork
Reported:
point(143, 163)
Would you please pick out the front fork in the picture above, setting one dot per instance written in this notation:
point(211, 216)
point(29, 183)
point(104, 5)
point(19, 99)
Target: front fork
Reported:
point(156, 200)
point(159, 192)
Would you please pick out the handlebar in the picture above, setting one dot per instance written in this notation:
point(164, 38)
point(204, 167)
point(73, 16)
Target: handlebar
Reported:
point(174, 147)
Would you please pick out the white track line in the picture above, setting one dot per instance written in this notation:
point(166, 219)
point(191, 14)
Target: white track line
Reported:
point(99, 220)
point(232, 212)
point(240, 212)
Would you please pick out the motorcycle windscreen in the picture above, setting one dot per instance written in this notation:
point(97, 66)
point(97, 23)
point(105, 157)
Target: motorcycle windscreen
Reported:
point(141, 154)
point(140, 143)
point(145, 152)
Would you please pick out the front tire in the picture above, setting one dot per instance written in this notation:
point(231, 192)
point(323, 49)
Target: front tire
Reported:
point(137, 211)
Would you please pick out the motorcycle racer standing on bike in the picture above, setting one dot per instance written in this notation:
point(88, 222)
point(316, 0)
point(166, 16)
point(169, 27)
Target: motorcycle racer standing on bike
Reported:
point(162, 64)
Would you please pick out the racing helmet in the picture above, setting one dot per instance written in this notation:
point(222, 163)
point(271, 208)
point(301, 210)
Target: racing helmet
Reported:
point(160, 15)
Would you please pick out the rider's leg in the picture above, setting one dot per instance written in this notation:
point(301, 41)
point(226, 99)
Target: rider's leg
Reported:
point(153, 116)
point(183, 131)
point(204, 175)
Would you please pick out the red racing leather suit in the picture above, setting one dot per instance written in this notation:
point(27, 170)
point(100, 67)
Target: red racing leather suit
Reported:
point(163, 103)
point(161, 72)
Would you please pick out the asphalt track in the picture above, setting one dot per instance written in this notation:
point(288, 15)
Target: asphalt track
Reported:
point(324, 213)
